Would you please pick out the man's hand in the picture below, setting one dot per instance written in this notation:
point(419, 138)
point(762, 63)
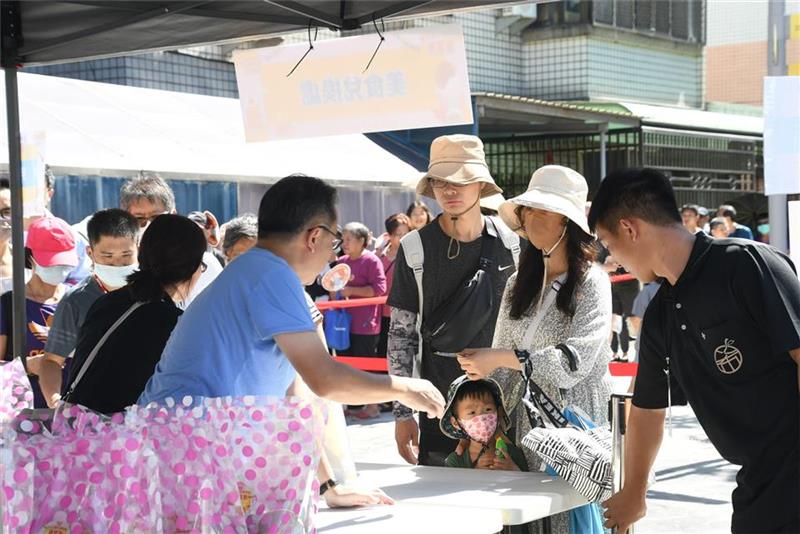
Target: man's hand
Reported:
point(406, 434)
point(422, 396)
point(339, 497)
point(624, 509)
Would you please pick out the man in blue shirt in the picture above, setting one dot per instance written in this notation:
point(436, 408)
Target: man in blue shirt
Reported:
point(735, 229)
point(250, 330)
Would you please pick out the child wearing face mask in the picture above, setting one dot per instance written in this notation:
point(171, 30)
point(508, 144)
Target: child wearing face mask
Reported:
point(476, 412)
point(113, 236)
point(50, 253)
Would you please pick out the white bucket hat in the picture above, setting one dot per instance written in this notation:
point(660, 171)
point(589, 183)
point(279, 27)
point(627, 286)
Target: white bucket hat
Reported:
point(552, 188)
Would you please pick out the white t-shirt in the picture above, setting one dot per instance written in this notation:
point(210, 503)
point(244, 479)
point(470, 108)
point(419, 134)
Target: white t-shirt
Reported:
point(213, 268)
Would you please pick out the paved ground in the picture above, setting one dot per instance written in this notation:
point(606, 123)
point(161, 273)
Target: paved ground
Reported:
point(693, 484)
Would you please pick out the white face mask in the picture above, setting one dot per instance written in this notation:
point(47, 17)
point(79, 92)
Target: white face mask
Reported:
point(53, 275)
point(114, 276)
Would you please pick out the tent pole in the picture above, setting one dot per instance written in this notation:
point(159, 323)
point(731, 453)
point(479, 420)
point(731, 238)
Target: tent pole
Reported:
point(17, 242)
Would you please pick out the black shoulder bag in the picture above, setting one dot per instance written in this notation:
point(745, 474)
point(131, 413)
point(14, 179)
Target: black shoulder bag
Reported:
point(453, 325)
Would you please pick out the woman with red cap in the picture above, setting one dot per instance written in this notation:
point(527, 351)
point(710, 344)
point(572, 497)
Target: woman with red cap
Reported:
point(50, 254)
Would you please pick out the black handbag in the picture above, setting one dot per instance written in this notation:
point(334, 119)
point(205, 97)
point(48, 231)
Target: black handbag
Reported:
point(459, 320)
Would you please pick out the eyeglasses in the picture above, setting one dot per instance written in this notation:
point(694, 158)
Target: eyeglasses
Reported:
point(337, 241)
point(144, 221)
point(441, 184)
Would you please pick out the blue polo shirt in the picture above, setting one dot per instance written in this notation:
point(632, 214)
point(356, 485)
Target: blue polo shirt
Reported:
point(224, 343)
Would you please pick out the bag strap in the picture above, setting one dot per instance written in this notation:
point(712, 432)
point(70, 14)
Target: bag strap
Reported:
point(415, 259)
point(97, 347)
point(538, 403)
point(487, 245)
point(509, 238)
point(549, 299)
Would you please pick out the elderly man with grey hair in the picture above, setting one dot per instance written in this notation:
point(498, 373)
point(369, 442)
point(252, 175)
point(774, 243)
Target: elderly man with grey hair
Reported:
point(239, 235)
point(146, 197)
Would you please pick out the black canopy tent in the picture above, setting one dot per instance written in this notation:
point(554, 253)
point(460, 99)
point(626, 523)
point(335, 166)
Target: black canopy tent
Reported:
point(37, 32)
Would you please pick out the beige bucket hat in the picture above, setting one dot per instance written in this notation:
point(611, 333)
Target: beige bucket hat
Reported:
point(458, 159)
point(552, 188)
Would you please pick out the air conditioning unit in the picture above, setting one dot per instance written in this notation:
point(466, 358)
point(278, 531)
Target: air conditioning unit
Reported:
point(514, 19)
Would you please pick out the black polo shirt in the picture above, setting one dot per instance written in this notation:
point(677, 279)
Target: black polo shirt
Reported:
point(725, 328)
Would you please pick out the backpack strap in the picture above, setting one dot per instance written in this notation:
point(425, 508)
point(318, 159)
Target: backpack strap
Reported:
point(509, 237)
point(415, 258)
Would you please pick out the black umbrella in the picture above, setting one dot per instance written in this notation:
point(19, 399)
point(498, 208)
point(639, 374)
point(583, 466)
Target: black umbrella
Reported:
point(750, 207)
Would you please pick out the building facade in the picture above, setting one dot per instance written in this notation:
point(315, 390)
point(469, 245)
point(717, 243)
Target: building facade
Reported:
point(736, 49)
point(601, 52)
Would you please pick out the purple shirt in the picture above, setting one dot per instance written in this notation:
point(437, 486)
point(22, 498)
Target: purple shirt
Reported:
point(37, 328)
point(366, 271)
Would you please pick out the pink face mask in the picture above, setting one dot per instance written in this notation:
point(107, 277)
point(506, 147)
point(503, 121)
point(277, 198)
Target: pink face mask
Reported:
point(480, 428)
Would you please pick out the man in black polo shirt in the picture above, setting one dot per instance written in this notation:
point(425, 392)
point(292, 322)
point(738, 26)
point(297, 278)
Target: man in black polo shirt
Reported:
point(722, 333)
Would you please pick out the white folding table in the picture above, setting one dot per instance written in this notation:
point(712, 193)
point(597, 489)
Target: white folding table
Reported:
point(404, 518)
point(518, 497)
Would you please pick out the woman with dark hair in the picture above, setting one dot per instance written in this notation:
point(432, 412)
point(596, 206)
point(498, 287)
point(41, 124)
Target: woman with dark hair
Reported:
point(558, 298)
point(126, 330)
point(419, 214)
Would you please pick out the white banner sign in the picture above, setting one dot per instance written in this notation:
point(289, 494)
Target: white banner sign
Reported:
point(781, 135)
point(418, 79)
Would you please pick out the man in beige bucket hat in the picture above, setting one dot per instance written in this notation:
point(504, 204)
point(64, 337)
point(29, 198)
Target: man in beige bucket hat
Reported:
point(452, 246)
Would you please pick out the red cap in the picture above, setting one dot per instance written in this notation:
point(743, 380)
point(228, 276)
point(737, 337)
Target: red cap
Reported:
point(52, 242)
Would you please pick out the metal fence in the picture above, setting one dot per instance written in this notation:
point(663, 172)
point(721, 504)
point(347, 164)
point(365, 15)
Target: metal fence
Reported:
point(705, 168)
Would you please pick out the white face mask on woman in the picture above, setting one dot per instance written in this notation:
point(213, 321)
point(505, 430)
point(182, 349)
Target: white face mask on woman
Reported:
point(53, 275)
point(114, 276)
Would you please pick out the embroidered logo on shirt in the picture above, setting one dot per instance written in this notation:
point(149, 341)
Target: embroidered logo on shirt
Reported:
point(506, 267)
point(728, 358)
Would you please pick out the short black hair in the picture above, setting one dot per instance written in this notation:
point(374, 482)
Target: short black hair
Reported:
point(4, 183)
point(716, 222)
point(289, 206)
point(691, 207)
point(112, 222)
point(643, 193)
point(726, 210)
point(473, 389)
point(170, 252)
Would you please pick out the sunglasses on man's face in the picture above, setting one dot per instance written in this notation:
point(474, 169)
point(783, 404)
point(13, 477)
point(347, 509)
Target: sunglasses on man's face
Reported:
point(337, 241)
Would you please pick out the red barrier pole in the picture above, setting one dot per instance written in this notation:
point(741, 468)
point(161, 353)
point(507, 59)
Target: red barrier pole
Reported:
point(351, 303)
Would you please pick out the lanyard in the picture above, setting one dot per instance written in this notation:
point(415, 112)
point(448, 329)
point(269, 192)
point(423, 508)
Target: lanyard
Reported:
point(103, 287)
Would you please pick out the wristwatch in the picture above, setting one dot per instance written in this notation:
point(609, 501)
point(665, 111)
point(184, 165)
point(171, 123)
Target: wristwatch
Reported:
point(328, 484)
